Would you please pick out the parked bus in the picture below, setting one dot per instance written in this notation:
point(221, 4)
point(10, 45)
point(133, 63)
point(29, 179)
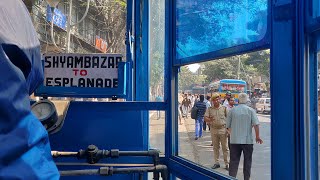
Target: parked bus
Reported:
point(200, 90)
point(235, 86)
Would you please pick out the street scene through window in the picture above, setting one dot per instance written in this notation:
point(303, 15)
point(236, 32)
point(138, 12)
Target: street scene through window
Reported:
point(219, 89)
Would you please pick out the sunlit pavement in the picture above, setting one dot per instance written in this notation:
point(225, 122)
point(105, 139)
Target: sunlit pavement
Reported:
point(201, 152)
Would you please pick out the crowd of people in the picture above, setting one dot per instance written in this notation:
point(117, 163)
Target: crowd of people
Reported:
point(230, 126)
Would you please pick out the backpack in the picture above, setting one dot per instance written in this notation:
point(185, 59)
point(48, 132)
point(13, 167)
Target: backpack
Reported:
point(194, 112)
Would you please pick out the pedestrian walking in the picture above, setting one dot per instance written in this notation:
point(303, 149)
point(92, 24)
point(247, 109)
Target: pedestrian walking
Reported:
point(240, 121)
point(159, 98)
point(208, 105)
point(201, 106)
point(179, 114)
point(229, 106)
point(186, 103)
point(216, 117)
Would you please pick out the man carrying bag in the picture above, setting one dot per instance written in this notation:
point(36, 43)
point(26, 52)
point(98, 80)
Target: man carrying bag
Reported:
point(197, 113)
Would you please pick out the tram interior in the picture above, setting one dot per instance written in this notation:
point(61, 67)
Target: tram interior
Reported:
point(116, 73)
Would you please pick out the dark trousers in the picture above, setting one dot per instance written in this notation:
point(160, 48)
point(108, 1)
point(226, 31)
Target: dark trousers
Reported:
point(235, 154)
point(205, 126)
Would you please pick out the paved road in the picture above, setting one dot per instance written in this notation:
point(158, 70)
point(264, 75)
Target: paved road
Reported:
point(201, 151)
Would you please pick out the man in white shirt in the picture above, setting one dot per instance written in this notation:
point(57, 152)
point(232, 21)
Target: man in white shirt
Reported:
point(208, 104)
point(240, 121)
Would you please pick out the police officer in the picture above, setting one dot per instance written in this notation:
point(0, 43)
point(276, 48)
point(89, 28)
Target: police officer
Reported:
point(216, 117)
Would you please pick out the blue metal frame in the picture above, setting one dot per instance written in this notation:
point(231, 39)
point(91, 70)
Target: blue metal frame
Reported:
point(300, 67)
point(169, 73)
point(283, 148)
point(130, 28)
point(178, 167)
point(288, 68)
point(312, 22)
point(314, 47)
point(142, 61)
point(264, 43)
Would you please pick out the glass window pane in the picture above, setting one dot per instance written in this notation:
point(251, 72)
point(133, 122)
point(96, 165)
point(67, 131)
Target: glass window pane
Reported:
point(251, 73)
point(156, 50)
point(97, 33)
point(156, 130)
point(205, 26)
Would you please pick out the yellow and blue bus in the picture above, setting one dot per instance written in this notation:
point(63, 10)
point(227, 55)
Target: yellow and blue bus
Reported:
point(235, 86)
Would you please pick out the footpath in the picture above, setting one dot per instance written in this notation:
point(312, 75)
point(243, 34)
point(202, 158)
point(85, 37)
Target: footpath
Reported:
point(201, 152)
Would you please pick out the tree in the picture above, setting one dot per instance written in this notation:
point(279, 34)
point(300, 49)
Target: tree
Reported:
point(187, 79)
point(156, 48)
point(220, 69)
point(114, 23)
point(261, 61)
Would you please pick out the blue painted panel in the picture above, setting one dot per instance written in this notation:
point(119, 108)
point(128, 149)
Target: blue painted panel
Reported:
point(106, 125)
point(205, 26)
point(171, 132)
point(283, 102)
point(103, 124)
point(314, 141)
point(114, 177)
point(141, 79)
point(188, 170)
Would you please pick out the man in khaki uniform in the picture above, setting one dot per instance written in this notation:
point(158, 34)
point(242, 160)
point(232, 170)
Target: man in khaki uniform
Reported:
point(216, 117)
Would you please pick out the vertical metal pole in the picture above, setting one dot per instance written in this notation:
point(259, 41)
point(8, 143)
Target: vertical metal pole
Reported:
point(239, 61)
point(69, 26)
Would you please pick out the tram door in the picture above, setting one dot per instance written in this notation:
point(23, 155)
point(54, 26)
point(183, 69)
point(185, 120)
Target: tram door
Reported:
point(205, 30)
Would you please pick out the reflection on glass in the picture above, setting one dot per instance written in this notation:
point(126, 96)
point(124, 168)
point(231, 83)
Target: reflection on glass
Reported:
point(156, 50)
point(156, 130)
point(204, 26)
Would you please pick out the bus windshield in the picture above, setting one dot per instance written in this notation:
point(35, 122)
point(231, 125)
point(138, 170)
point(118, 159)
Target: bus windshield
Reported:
point(233, 88)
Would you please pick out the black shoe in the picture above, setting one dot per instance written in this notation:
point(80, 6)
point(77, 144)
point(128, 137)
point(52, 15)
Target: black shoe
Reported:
point(215, 166)
point(196, 138)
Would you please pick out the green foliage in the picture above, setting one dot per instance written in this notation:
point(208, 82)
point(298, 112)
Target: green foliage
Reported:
point(156, 69)
point(261, 61)
point(251, 65)
point(122, 3)
point(219, 69)
point(187, 78)
point(156, 47)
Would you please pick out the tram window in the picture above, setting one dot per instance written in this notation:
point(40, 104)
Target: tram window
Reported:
point(156, 50)
point(204, 26)
point(243, 73)
point(156, 131)
point(87, 37)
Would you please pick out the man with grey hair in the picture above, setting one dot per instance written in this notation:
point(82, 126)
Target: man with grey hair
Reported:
point(240, 121)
